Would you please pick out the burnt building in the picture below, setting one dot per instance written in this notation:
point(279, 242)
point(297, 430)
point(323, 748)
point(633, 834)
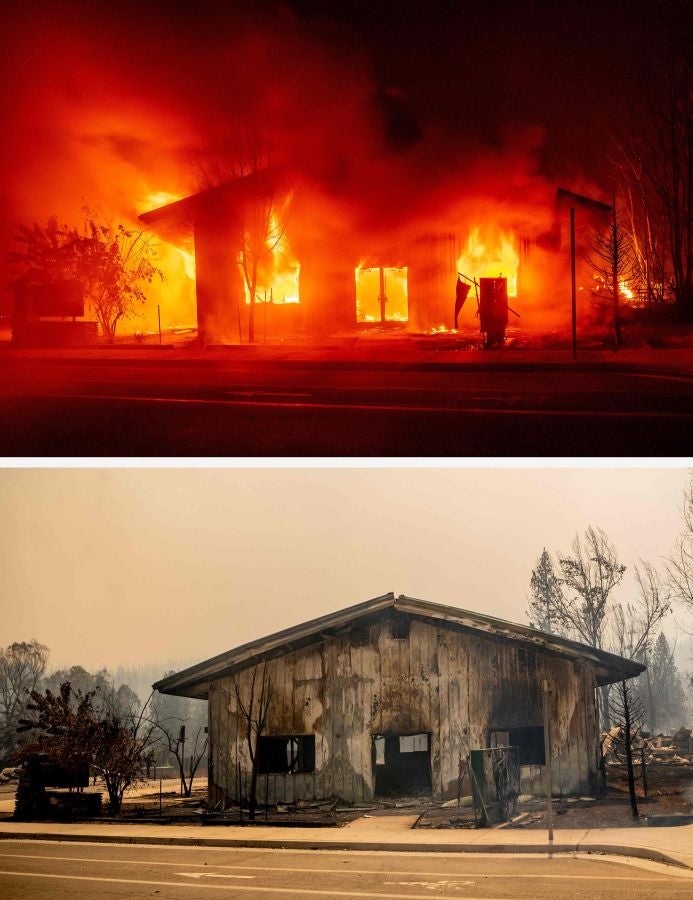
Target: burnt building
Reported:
point(325, 263)
point(388, 697)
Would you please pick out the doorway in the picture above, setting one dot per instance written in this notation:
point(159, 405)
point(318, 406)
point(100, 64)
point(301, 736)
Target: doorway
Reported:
point(402, 764)
point(381, 294)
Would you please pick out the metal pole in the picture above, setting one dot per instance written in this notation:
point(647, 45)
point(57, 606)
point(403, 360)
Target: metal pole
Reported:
point(382, 298)
point(547, 763)
point(572, 281)
point(158, 313)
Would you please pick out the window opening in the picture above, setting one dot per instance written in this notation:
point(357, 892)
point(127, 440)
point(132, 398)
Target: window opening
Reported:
point(529, 740)
point(290, 755)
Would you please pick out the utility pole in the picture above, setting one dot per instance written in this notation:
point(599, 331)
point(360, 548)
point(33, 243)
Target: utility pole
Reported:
point(547, 764)
point(572, 281)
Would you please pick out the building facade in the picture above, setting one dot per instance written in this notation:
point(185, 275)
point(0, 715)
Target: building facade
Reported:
point(389, 697)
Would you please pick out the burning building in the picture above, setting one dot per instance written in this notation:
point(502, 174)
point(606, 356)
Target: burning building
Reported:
point(388, 697)
point(276, 254)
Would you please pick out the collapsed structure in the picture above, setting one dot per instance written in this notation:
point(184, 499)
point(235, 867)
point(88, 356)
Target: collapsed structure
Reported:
point(390, 696)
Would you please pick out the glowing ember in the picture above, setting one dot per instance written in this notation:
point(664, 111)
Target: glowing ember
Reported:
point(490, 259)
point(390, 284)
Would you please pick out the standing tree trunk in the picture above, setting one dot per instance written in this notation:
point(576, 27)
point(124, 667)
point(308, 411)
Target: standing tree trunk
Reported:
point(628, 746)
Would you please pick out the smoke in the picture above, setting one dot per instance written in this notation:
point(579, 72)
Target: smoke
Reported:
point(110, 103)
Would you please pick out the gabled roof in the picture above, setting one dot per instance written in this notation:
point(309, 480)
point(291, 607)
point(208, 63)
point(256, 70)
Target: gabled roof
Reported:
point(195, 681)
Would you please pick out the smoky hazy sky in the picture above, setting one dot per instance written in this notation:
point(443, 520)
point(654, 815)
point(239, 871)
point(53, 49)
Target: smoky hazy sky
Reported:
point(136, 566)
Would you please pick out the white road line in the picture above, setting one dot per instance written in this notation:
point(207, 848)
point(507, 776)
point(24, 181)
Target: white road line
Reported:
point(315, 871)
point(214, 875)
point(361, 407)
point(256, 889)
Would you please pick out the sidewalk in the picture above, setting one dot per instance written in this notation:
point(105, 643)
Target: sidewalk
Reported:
point(394, 833)
point(414, 352)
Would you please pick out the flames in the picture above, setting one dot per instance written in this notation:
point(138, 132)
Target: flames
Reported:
point(490, 257)
point(278, 269)
point(370, 281)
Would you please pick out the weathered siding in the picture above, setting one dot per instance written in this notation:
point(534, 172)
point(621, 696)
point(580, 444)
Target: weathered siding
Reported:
point(454, 684)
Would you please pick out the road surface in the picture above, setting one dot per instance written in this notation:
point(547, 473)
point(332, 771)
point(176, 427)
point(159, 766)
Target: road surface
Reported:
point(108, 408)
point(46, 870)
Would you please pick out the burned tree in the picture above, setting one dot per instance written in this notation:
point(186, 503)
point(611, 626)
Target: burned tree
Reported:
point(253, 714)
point(628, 716)
point(614, 264)
point(680, 562)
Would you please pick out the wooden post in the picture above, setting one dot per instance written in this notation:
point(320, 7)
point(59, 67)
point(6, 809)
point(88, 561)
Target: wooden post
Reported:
point(160, 789)
point(382, 299)
point(547, 764)
point(158, 313)
point(572, 281)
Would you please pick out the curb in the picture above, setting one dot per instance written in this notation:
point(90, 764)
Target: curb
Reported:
point(647, 853)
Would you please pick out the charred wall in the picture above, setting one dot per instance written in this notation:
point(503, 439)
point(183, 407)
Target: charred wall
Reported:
point(452, 683)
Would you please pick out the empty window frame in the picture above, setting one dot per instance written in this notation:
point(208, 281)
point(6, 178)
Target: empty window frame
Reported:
point(287, 755)
point(529, 740)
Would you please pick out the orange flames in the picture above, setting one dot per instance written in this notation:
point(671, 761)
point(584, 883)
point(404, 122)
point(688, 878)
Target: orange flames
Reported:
point(370, 282)
point(490, 258)
point(278, 270)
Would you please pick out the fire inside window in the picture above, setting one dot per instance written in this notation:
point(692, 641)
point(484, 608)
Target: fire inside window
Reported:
point(381, 294)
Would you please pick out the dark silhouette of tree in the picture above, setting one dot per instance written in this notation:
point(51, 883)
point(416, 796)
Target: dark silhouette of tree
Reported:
point(22, 665)
point(614, 263)
point(110, 265)
point(655, 166)
point(71, 731)
point(546, 593)
point(627, 715)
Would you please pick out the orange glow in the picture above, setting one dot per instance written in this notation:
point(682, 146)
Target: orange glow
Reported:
point(368, 294)
point(278, 270)
point(490, 258)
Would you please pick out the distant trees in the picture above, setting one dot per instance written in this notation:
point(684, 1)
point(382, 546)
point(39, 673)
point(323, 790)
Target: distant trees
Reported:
point(665, 701)
point(579, 602)
point(546, 594)
point(110, 265)
point(680, 562)
point(22, 665)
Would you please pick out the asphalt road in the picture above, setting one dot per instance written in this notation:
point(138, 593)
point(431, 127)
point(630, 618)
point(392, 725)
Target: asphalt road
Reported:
point(47, 869)
point(62, 408)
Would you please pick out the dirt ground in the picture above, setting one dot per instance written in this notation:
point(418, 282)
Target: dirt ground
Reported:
point(670, 792)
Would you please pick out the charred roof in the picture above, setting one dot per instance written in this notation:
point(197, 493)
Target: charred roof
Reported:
point(195, 680)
